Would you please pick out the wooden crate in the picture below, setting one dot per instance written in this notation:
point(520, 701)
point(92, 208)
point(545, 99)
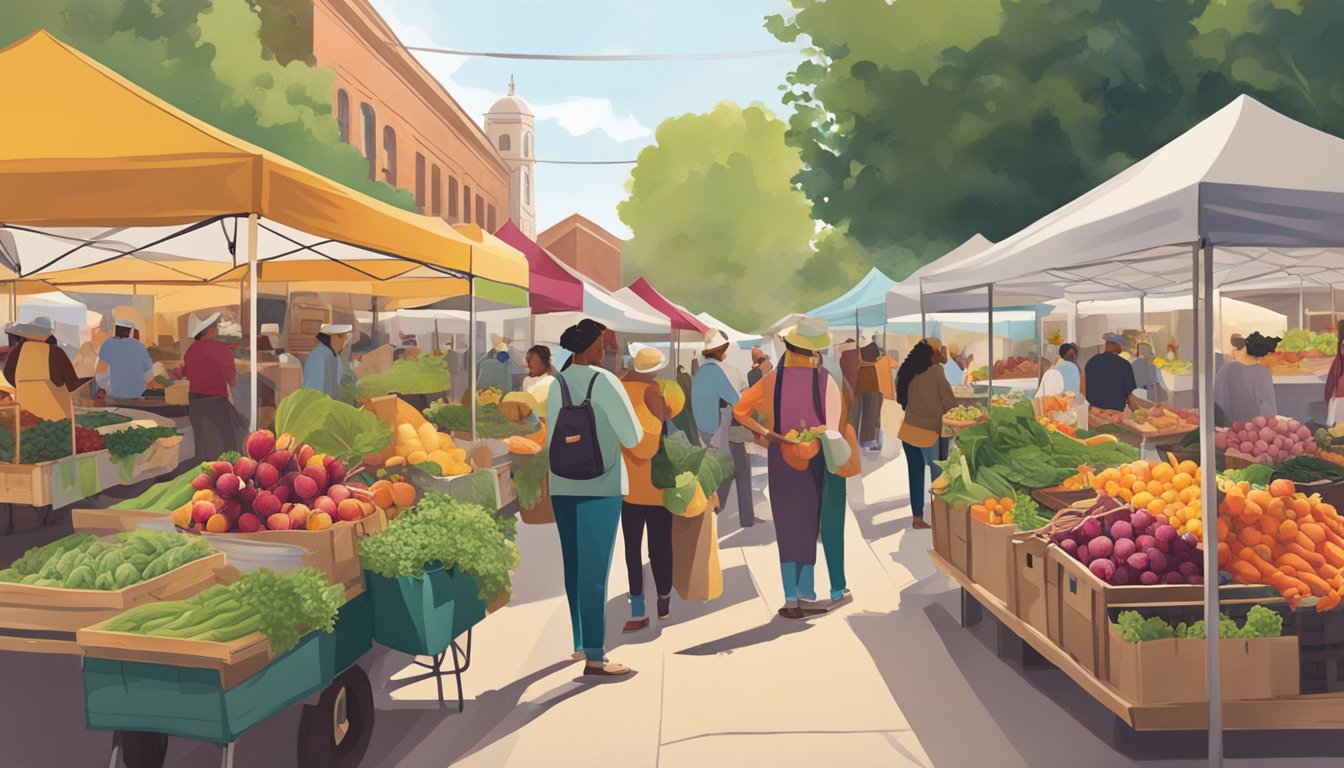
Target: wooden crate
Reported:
point(235, 661)
point(53, 609)
point(26, 483)
point(1029, 567)
point(991, 558)
point(1058, 497)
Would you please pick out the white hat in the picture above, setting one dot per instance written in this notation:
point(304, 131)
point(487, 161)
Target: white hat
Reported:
point(715, 338)
point(647, 359)
point(333, 329)
point(125, 324)
point(197, 324)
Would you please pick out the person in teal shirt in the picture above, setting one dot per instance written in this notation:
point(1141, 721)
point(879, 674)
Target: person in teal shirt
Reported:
point(323, 369)
point(587, 512)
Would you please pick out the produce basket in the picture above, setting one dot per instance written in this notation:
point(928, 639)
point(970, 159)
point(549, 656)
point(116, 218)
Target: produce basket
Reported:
point(424, 616)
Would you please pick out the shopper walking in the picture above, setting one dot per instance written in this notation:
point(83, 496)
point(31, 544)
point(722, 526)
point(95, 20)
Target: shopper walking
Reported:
point(324, 369)
point(834, 505)
point(211, 373)
point(800, 394)
point(873, 384)
point(922, 390)
point(711, 392)
point(643, 504)
point(589, 418)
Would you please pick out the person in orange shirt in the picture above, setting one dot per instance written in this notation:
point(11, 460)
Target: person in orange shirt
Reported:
point(643, 504)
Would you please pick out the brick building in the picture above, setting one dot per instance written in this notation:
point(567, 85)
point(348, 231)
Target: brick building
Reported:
point(415, 134)
point(587, 247)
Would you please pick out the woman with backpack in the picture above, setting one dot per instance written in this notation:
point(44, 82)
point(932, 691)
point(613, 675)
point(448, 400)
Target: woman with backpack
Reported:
point(589, 418)
point(800, 395)
point(923, 391)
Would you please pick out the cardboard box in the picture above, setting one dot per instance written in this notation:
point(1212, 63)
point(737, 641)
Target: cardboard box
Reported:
point(959, 538)
point(334, 550)
point(1083, 630)
point(176, 393)
point(1028, 569)
point(942, 534)
point(1171, 670)
point(991, 558)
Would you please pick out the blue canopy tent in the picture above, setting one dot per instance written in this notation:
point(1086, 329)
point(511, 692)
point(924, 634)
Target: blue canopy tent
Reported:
point(863, 305)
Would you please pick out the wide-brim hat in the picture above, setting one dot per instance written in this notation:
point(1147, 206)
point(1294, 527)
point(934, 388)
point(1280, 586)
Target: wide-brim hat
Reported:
point(336, 329)
point(811, 333)
point(197, 324)
point(127, 324)
point(715, 339)
point(30, 331)
point(647, 359)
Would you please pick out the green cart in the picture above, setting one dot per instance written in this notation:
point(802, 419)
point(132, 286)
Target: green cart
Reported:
point(144, 703)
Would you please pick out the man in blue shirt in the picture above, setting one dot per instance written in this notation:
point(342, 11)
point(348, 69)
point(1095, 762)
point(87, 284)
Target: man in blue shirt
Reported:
point(712, 390)
point(126, 362)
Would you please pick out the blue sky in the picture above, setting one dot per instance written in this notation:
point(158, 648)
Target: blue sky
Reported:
point(595, 110)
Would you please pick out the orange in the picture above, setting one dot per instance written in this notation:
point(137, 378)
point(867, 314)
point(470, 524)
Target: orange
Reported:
point(1112, 489)
point(1163, 473)
point(1142, 499)
point(1170, 496)
point(1006, 504)
point(1139, 486)
point(1182, 481)
point(1156, 488)
point(1189, 467)
point(1157, 506)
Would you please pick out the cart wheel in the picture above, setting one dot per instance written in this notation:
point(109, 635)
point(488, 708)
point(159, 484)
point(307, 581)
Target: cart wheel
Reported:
point(140, 749)
point(335, 733)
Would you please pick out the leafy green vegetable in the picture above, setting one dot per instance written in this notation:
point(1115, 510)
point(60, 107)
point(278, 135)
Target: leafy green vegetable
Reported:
point(424, 375)
point(302, 412)
point(442, 530)
point(490, 422)
point(134, 441)
point(82, 561)
point(528, 473)
point(332, 427)
point(1308, 469)
point(1260, 622)
point(1256, 474)
point(709, 466)
point(96, 419)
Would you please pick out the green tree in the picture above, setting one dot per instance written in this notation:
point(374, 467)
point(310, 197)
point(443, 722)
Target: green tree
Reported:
point(718, 224)
point(206, 57)
point(922, 122)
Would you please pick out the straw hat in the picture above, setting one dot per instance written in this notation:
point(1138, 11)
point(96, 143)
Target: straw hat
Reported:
point(810, 333)
point(31, 331)
point(336, 329)
point(197, 324)
point(647, 359)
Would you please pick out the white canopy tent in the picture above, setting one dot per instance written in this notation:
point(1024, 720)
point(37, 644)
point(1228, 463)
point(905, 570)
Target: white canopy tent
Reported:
point(1246, 198)
point(615, 313)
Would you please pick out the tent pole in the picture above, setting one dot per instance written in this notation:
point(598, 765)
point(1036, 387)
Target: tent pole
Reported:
point(1301, 304)
point(373, 328)
point(1143, 312)
point(252, 318)
point(989, 396)
point(1072, 329)
point(1194, 334)
point(923, 320)
point(1209, 492)
point(471, 348)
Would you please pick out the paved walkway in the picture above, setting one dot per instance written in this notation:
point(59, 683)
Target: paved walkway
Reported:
point(891, 680)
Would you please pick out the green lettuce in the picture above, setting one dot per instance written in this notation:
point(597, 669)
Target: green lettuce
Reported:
point(424, 375)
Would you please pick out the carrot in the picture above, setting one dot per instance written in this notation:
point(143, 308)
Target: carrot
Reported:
point(1314, 531)
point(1288, 530)
point(1266, 552)
point(1224, 554)
point(1245, 573)
point(1236, 503)
point(1249, 536)
point(1299, 563)
point(1318, 586)
point(1316, 559)
point(1288, 587)
point(1249, 555)
point(1269, 526)
point(1334, 554)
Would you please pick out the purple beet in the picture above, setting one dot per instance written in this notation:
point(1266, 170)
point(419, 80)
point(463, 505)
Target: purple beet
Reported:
point(1123, 549)
point(1122, 576)
point(1122, 529)
point(1138, 561)
point(1141, 521)
point(1091, 529)
point(1188, 569)
point(1069, 545)
point(1165, 533)
point(1145, 542)
point(1157, 561)
point(1148, 579)
point(1100, 547)
point(1172, 577)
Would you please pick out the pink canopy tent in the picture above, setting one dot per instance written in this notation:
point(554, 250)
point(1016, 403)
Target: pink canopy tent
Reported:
point(681, 319)
point(550, 287)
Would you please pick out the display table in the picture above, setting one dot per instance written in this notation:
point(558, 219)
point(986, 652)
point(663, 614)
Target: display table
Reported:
point(1298, 396)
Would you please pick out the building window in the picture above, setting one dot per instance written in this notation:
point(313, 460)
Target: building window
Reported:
point(368, 123)
point(527, 145)
point(480, 211)
point(420, 181)
point(435, 191)
point(527, 187)
point(390, 149)
point(343, 114)
point(452, 197)
point(466, 204)
point(490, 217)
point(504, 142)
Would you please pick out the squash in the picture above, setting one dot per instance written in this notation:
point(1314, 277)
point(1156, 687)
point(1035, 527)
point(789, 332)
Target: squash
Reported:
point(538, 437)
point(521, 445)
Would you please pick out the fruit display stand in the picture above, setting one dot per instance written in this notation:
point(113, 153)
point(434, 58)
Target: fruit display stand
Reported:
point(146, 689)
point(425, 616)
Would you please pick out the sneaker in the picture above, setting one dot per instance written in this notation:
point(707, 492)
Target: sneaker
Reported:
point(845, 598)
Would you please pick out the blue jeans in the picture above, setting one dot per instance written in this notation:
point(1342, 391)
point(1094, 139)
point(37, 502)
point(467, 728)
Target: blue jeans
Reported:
point(587, 528)
point(917, 459)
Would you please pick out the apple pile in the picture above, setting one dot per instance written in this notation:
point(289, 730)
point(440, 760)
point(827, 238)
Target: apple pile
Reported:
point(1267, 440)
point(278, 485)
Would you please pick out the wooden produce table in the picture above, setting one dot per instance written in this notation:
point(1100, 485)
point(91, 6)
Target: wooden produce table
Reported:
point(1313, 712)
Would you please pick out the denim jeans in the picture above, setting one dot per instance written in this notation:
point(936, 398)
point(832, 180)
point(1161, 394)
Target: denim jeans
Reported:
point(587, 528)
point(917, 459)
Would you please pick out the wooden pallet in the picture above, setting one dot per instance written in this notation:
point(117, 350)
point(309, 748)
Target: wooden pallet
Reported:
point(1314, 712)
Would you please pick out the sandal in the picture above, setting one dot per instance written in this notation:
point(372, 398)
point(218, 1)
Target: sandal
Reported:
point(920, 525)
point(606, 669)
point(636, 624)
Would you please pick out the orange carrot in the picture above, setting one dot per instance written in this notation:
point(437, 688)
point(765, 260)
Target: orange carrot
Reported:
point(1249, 536)
point(1316, 559)
point(1269, 526)
point(1318, 586)
point(1299, 563)
point(1288, 530)
point(1245, 573)
point(1306, 541)
point(1334, 554)
point(1224, 554)
point(1267, 553)
point(1314, 531)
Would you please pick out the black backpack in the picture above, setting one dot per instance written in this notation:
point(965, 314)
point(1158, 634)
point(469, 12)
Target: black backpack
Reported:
point(575, 453)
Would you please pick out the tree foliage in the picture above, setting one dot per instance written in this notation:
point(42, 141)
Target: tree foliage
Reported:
point(718, 224)
point(922, 122)
point(207, 58)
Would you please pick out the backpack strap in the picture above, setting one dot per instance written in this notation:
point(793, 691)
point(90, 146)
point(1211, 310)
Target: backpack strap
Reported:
point(564, 392)
point(817, 403)
point(591, 382)
point(779, 397)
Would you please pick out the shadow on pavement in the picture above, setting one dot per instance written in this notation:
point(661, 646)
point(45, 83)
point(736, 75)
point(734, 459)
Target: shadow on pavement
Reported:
point(737, 588)
point(775, 629)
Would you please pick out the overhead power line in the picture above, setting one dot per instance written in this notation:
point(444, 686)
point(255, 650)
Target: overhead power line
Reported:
point(612, 56)
point(587, 162)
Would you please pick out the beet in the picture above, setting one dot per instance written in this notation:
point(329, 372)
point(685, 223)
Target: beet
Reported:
point(1091, 529)
point(1100, 547)
point(1122, 576)
point(1068, 545)
point(1141, 521)
point(1123, 549)
point(1188, 569)
point(1148, 578)
point(227, 485)
point(1145, 542)
point(1084, 555)
point(1138, 561)
point(1196, 579)
point(1172, 577)
point(1102, 569)
point(1157, 560)
point(1165, 533)
point(1122, 529)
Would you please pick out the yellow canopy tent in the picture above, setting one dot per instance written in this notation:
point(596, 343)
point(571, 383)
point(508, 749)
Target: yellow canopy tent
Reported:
point(95, 170)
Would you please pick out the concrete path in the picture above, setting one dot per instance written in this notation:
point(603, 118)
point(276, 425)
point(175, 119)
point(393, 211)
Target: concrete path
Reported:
point(891, 680)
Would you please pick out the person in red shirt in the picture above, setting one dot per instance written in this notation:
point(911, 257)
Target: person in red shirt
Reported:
point(209, 369)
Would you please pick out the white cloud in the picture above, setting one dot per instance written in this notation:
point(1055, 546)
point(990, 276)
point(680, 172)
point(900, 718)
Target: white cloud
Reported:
point(581, 116)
